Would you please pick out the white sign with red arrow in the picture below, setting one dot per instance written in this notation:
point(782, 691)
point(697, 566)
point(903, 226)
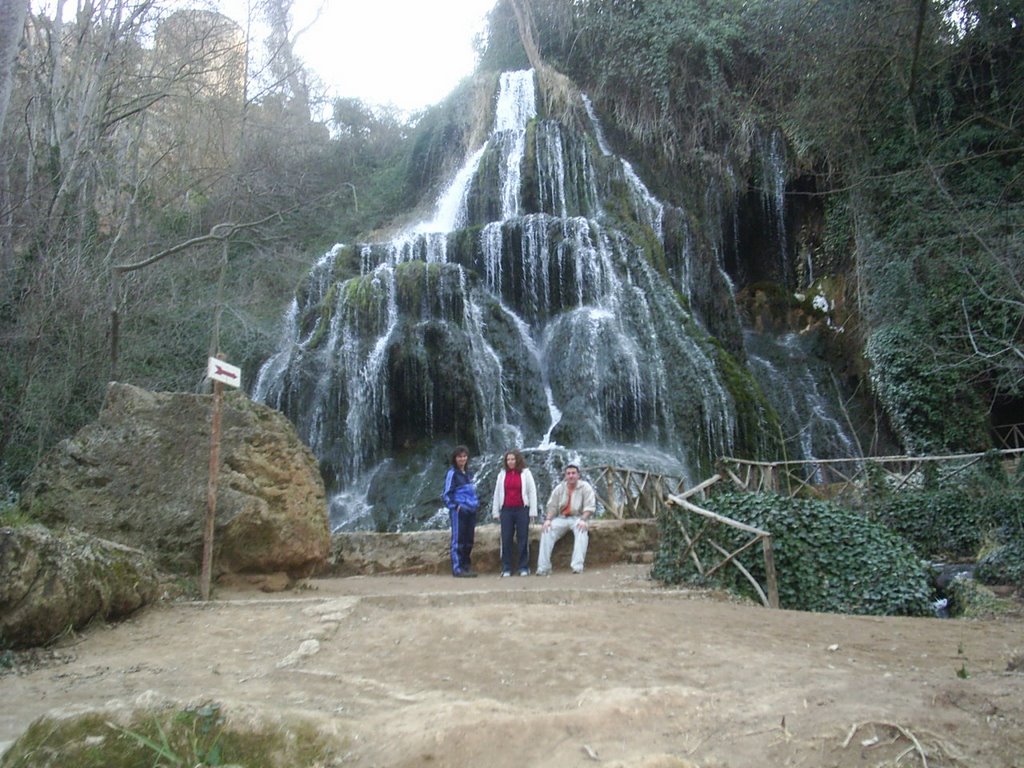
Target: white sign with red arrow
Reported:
point(223, 372)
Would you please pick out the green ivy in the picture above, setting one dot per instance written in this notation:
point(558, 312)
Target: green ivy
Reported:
point(827, 558)
point(1002, 565)
point(938, 524)
point(930, 407)
point(952, 522)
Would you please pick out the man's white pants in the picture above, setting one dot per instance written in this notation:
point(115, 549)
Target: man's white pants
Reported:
point(559, 527)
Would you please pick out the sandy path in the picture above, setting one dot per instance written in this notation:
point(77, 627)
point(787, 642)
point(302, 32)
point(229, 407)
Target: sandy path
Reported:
point(569, 670)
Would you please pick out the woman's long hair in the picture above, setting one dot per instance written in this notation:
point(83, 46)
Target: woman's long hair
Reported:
point(520, 461)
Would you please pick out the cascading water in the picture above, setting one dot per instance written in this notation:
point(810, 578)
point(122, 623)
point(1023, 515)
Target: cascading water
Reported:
point(803, 393)
point(522, 314)
point(773, 174)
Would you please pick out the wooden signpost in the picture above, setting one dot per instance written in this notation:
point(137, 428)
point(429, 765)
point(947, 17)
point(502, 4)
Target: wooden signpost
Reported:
point(221, 373)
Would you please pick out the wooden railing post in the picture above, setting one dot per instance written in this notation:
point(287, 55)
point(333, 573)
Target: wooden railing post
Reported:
point(615, 509)
point(769, 571)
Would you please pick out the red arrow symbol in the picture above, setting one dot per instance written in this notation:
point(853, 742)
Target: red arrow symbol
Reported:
point(221, 372)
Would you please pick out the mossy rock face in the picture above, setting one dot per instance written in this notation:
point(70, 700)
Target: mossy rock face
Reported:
point(758, 428)
point(969, 599)
point(193, 735)
point(52, 582)
point(139, 475)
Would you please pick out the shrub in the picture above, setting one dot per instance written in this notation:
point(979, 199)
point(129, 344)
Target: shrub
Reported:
point(11, 515)
point(938, 524)
point(827, 558)
point(951, 522)
point(1002, 565)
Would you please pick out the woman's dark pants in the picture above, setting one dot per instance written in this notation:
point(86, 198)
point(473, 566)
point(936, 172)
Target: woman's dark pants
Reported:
point(515, 539)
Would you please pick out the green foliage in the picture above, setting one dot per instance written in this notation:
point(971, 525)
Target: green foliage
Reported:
point(444, 132)
point(938, 523)
point(671, 75)
point(502, 50)
point(193, 736)
point(201, 729)
point(827, 558)
point(957, 510)
point(930, 407)
point(11, 515)
point(1003, 564)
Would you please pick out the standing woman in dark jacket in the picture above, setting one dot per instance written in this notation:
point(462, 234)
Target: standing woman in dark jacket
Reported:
point(460, 497)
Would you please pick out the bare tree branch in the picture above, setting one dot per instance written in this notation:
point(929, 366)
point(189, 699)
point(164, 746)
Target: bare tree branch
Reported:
point(217, 233)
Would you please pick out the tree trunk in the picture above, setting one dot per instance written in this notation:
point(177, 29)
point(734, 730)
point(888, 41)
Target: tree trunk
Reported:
point(12, 23)
point(527, 35)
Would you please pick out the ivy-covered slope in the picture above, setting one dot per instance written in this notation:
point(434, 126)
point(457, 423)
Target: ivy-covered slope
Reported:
point(827, 559)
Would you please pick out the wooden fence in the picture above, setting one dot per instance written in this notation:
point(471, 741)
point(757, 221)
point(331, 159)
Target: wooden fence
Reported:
point(629, 493)
point(1010, 436)
point(703, 527)
point(828, 478)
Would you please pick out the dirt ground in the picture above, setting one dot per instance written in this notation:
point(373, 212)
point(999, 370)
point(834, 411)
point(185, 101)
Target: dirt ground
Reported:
point(603, 668)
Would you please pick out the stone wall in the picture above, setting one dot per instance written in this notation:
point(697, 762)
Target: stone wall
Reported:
point(611, 542)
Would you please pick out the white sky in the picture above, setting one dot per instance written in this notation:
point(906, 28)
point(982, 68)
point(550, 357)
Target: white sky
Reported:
point(409, 53)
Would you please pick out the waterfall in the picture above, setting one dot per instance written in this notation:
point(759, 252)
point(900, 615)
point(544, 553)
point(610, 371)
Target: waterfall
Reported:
point(799, 387)
point(596, 126)
point(517, 105)
point(649, 210)
point(773, 174)
point(450, 211)
point(521, 314)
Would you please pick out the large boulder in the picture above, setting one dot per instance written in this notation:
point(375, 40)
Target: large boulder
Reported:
point(52, 582)
point(139, 475)
point(611, 541)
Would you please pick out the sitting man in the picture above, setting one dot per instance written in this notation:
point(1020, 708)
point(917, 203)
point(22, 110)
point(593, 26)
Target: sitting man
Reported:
point(570, 505)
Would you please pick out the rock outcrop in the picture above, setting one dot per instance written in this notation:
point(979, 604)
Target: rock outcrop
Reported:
point(138, 476)
point(50, 583)
point(611, 541)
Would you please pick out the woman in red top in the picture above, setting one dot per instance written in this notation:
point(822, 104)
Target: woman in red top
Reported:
point(514, 505)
